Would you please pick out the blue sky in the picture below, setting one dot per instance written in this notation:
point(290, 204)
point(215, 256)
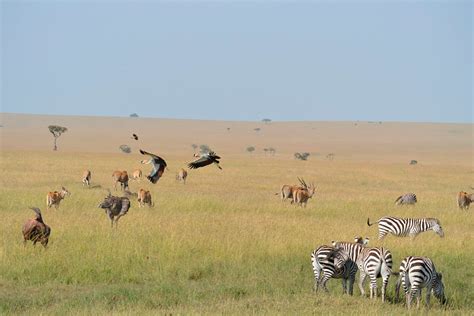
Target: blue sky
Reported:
point(311, 60)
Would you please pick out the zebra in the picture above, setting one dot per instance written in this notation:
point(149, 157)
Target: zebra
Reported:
point(406, 199)
point(372, 262)
point(417, 273)
point(403, 227)
point(333, 264)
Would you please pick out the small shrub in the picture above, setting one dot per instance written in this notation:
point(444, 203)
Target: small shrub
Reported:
point(125, 148)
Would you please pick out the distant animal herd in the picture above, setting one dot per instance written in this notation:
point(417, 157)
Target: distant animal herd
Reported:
point(339, 260)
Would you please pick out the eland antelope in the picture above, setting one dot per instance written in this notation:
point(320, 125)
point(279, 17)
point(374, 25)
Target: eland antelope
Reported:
point(137, 175)
point(464, 200)
point(302, 195)
point(287, 191)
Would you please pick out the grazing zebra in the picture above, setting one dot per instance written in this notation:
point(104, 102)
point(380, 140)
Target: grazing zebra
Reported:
point(406, 199)
point(372, 262)
point(417, 273)
point(333, 264)
point(403, 227)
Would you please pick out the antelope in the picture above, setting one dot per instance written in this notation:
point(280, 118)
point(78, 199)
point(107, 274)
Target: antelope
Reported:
point(464, 200)
point(144, 197)
point(122, 177)
point(54, 198)
point(86, 178)
point(182, 175)
point(137, 175)
point(287, 191)
point(36, 230)
point(302, 195)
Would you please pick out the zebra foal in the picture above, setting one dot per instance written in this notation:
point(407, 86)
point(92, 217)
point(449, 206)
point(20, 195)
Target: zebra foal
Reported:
point(417, 273)
point(403, 227)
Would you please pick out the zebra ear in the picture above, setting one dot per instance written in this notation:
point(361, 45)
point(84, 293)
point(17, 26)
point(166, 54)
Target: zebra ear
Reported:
point(333, 243)
point(440, 276)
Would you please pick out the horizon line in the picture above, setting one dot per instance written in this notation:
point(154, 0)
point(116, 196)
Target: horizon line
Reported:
point(243, 121)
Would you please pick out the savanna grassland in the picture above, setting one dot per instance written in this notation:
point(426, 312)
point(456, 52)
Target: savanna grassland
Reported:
point(224, 242)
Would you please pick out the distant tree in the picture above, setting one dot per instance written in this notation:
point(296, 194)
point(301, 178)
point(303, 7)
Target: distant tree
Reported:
point(250, 149)
point(134, 115)
point(125, 148)
point(56, 130)
point(265, 150)
point(257, 129)
point(204, 149)
point(228, 129)
point(330, 156)
point(272, 150)
point(413, 162)
point(266, 120)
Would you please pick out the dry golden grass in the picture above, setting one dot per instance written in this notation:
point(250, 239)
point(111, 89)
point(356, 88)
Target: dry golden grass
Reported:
point(222, 243)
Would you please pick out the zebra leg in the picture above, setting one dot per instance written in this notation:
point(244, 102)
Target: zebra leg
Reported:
point(324, 281)
point(351, 284)
point(344, 285)
point(373, 287)
point(362, 277)
point(384, 287)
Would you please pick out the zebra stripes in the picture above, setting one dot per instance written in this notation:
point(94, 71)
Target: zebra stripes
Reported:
point(375, 263)
point(372, 262)
point(417, 273)
point(403, 227)
point(328, 263)
point(406, 199)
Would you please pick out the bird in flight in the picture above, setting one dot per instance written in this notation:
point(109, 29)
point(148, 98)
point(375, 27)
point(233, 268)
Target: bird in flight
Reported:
point(204, 160)
point(135, 136)
point(159, 165)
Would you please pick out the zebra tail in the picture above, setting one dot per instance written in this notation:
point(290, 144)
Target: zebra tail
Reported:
point(368, 222)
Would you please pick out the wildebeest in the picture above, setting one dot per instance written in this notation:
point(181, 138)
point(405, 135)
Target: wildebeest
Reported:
point(36, 230)
point(464, 200)
point(115, 207)
point(144, 197)
point(86, 178)
point(54, 198)
point(122, 178)
point(182, 175)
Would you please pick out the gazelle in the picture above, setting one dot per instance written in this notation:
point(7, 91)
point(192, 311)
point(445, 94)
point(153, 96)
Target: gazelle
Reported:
point(122, 178)
point(86, 178)
point(182, 175)
point(144, 197)
point(137, 175)
point(302, 195)
point(54, 198)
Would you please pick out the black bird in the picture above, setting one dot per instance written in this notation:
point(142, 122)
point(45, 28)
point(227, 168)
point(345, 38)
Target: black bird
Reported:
point(159, 165)
point(135, 136)
point(204, 160)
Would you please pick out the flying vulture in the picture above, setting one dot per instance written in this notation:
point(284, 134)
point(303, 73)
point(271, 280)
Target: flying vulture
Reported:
point(159, 165)
point(204, 160)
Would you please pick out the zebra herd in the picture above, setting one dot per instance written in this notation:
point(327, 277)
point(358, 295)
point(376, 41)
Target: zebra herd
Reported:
point(342, 260)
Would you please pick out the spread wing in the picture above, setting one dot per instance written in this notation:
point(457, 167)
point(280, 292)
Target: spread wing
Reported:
point(213, 155)
point(157, 160)
point(201, 162)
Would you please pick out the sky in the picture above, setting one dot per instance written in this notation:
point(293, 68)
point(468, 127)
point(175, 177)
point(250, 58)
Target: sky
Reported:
point(240, 60)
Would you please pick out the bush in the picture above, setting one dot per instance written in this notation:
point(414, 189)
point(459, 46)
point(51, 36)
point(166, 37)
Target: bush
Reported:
point(125, 148)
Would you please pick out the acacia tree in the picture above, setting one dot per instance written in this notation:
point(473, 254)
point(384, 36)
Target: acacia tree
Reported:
point(250, 149)
point(56, 130)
